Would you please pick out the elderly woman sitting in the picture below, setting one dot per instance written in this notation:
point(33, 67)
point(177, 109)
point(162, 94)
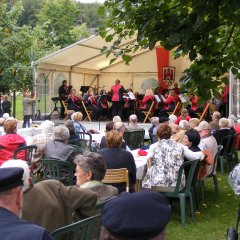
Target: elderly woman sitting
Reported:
point(10, 141)
point(183, 127)
point(90, 171)
point(165, 159)
point(40, 141)
point(117, 157)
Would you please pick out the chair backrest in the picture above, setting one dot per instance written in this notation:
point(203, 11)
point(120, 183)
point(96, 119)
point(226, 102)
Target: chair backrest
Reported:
point(100, 205)
point(83, 230)
point(84, 143)
point(134, 139)
point(225, 142)
point(204, 112)
point(232, 143)
point(191, 165)
point(28, 151)
point(177, 109)
point(213, 172)
point(88, 112)
point(59, 170)
point(150, 112)
point(117, 176)
point(64, 104)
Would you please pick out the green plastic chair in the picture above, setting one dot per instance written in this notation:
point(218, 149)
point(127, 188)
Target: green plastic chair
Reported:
point(58, 170)
point(84, 143)
point(28, 153)
point(135, 139)
point(213, 174)
point(225, 142)
point(83, 230)
point(232, 155)
point(182, 194)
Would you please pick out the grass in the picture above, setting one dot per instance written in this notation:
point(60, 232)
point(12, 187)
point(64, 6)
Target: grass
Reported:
point(19, 108)
point(214, 217)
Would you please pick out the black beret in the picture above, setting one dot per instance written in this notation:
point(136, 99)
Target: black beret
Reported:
point(10, 178)
point(163, 119)
point(140, 215)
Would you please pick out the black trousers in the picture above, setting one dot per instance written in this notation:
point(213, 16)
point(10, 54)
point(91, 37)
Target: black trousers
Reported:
point(117, 109)
point(26, 121)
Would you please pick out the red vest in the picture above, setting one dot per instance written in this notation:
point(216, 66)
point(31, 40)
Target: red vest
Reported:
point(116, 92)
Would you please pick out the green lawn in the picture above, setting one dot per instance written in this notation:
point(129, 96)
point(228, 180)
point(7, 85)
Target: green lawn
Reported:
point(19, 108)
point(213, 219)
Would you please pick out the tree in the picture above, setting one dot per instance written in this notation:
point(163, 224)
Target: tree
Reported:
point(205, 31)
point(19, 46)
point(59, 18)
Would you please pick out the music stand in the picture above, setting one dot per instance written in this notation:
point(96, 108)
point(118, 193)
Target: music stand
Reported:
point(84, 89)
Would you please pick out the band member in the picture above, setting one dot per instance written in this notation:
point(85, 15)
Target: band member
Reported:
point(170, 103)
point(194, 106)
point(117, 91)
point(63, 95)
point(145, 103)
point(103, 104)
point(91, 103)
point(224, 101)
point(176, 88)
point(128, 104)
point(74, 102)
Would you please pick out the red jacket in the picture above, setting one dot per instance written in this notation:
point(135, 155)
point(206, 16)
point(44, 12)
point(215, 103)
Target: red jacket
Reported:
point(146, 102)
point(180, 118)
point(170, 100)
point(194, 101)
point(117, 93)
point(8, 144)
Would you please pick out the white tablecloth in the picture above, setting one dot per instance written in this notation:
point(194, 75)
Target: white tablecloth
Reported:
point(141, 164)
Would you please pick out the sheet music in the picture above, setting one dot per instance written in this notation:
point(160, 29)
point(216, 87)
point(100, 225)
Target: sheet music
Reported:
point(183, 99)
point(157, 98)
point(131, 95)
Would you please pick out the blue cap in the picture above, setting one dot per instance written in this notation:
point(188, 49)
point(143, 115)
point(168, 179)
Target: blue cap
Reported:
point(10, 178)
point(140, 215)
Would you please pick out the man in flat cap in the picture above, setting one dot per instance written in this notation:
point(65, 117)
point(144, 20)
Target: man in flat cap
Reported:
point(140, 216)
point(50, 204)
point(11, 195)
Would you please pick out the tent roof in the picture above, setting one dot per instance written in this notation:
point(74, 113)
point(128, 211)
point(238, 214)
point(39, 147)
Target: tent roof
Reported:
point(84, 55)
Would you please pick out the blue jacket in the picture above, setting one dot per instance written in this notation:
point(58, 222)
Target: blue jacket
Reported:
point(12, 227)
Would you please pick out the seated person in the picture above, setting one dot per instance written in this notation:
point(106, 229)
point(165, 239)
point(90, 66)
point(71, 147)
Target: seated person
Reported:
point(103, 104)
point(192, 140)
point(145, 104)
point(223, 131)
point(54, 204)
point(172, 124)
point(117, 157)
point(109, 127)
point(195, 108)
point(179, 136)
point(91, 103)
point(40, 141)
point(129, 217)
point(117, 119)
point(74, 103)
point(165, 159)
point(70, 126)
point(10, 141)
point(58, 148)
point(133, 126)
point(183, 116)
point(194, 122)
point(155, 123)
point(120, 127)
point(90, 171)
point(216, 116)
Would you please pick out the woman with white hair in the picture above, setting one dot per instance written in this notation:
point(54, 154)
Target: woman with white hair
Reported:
point(40, 141)
point(179, 136)
point(223, 131)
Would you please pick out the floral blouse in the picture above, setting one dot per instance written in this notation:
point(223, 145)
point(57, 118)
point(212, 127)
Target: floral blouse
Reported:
point(168, 156)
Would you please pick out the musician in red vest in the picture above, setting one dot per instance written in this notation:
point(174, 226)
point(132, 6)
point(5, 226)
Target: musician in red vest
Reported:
point(117, 91)
point(195, 108)
point(91, 103)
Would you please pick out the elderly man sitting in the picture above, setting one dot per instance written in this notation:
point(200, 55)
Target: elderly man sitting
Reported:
point(223, 131)
point(215, 121)
point(133, 126)
point(50, 204)
point(40, 141)
point(179, 136)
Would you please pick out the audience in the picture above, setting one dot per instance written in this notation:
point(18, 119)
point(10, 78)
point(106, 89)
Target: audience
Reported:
point(164, 161)
point(223, 131)
point(207, 142)
point(54, 204)
point(183, 127)
point(155, 123)
point(11, 197)
point(70, 126)
point(90, 171)
point(183, 116)
point(117, 157)
point(194, 122)
point(172, 124)
point(77, 118)
point(117, 119)
point(109, 127)
point(133, 126)
point(214, 124)
point(40, 141)
point(141, 215)
point(192, 140)
point(10, 141)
